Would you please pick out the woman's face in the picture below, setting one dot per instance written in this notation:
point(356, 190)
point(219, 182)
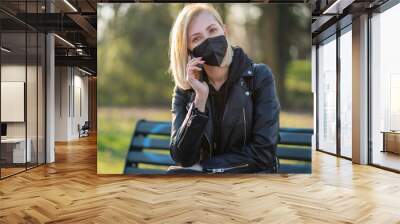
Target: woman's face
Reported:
point(203, 26)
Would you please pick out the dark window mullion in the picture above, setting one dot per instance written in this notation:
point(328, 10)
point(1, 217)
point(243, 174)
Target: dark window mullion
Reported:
point(37, 90)
point(317, 98)
point(338, 98)
point(0, 96)
point(369, 100)
point(26, 86)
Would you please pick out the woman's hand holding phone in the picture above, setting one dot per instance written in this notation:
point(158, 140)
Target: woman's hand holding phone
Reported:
point(193, 74)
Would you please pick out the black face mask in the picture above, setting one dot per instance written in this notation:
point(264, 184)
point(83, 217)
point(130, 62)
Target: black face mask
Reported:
point(212, 50)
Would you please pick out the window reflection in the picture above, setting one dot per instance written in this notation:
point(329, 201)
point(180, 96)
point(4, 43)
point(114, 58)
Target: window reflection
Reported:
point(346, 93)
point(385, 84)
point(327, 95)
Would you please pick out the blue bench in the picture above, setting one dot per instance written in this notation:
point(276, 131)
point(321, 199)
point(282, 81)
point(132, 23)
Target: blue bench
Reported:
point(150, 145)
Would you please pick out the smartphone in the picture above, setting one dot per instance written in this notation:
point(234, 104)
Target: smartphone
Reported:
point(201, 78)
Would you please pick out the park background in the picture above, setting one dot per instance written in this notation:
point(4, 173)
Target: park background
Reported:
point(133, 78)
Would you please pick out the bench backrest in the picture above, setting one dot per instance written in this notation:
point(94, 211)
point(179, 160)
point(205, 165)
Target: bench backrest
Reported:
point(294, 143)
point(295, 136)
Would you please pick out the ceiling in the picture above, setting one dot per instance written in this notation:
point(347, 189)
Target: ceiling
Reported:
point(73, 21)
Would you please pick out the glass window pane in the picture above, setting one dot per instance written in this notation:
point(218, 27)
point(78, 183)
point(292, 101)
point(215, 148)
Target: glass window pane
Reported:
point(22, 87)
point(14, 153)
point(31, 87)
point(31, 96)
point(327, 96)
point(385, 84)
point(41, 98)
point(345, 94)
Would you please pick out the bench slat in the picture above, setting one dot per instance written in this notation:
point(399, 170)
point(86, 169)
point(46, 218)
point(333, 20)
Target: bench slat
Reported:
point(134, 170)
point(150, 158)
point(303, 154)
point(163, 144)
point(295, 168)
point(153, 127)
point(140, 142)
point(160, 159)
point(290, 138)
point(297, 130)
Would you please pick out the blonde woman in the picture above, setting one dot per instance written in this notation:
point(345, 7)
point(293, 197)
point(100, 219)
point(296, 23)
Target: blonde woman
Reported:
point(225, 112)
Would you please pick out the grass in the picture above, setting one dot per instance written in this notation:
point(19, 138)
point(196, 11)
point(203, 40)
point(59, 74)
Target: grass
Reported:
point(116, 126)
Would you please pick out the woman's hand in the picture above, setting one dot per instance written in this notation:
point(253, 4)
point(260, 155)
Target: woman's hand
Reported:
point(200, 88)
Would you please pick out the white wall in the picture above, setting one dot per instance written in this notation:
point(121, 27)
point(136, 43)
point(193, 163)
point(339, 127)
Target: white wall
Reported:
point(12, 100)
point(71, 93)
point(81, 100)
point(16, 73)
point(12, 73)
point(62, 81)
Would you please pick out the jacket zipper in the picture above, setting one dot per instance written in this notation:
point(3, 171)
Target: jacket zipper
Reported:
point(209, 144)
point(184, 132)
point(222, 170)
point(244, 119)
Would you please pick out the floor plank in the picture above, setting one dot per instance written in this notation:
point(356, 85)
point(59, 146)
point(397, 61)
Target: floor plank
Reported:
point(70, 191)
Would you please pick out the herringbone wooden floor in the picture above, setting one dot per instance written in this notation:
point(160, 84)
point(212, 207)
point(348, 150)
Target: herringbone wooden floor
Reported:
point(70, 191)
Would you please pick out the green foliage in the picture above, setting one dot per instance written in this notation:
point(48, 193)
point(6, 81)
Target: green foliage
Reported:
point(298, 86)
point(133, 58)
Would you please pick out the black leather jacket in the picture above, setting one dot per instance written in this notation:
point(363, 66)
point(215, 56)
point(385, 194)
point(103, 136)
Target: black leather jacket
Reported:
point(250, 127)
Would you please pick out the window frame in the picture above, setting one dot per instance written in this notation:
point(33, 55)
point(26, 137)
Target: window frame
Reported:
point(338, 29)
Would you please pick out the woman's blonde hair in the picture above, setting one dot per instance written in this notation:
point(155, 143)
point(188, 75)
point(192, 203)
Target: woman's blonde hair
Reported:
point(178, 51)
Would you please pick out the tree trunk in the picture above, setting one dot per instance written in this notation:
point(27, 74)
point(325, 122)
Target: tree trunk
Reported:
point(272, 46)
